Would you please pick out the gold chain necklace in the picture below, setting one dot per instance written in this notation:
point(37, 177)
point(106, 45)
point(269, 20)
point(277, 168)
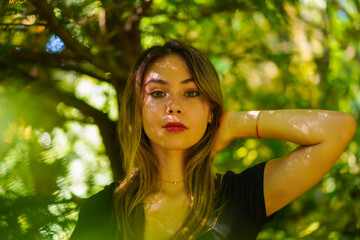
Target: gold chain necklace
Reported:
point(173, 182)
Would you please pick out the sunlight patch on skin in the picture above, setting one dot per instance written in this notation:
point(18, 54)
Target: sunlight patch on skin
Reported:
point(154, 204)
point(323, 115)
point(296, 156)
point(162, 225)
point(153, 75)
point(302, 128)
point(254, 113)
point(165, 63)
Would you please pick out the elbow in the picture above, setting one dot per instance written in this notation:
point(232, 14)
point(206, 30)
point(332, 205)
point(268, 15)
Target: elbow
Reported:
point(346, 127)
point(351, 123)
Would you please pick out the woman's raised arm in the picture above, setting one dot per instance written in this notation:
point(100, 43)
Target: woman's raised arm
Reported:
point(322, 135)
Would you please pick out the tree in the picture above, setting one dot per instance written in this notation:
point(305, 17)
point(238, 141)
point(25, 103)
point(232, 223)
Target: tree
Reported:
point(269, 54)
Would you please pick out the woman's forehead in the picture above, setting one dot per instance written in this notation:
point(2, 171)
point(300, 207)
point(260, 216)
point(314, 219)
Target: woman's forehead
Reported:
point(168, 68)
point(170, 61)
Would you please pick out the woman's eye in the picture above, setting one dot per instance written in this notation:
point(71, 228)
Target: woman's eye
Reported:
point(192, 93)
point(158, 94)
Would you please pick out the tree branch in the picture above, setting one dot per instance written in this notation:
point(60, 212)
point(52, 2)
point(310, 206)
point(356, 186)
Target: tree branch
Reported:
point(106, 126)
point(78, 69)
point(357, 4)
point(47, 89)
point(54, 24)
point(56, 60)
point(25, 55)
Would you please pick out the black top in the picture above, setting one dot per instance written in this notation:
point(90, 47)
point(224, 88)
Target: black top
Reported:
point(242, 216)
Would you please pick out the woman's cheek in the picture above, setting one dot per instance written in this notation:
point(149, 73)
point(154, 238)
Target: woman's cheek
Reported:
point(151, 116)
point(150, 105)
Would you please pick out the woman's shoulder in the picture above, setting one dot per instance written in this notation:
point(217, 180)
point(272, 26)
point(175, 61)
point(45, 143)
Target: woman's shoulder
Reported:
point(96, 217)
point(109, 190)
point(102, 199)
point(242, 200)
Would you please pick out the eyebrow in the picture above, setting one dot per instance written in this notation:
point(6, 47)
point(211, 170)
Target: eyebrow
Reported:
point(163, 82)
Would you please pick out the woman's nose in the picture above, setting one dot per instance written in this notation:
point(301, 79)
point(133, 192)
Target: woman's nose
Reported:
point(174, 107)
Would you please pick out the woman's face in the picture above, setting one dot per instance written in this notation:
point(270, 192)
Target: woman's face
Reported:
point(174, 114)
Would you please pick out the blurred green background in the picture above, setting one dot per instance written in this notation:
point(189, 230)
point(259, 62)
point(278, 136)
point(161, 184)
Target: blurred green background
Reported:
point(64, 63)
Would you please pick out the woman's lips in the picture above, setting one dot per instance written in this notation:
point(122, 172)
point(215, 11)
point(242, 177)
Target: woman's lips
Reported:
point(175, 127)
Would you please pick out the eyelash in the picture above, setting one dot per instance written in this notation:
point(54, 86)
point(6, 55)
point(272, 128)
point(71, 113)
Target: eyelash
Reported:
point(154, 93)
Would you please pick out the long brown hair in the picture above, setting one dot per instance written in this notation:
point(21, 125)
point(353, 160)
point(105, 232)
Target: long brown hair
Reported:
point(140, 162)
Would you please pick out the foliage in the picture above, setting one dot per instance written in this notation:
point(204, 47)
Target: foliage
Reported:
point(64, 64)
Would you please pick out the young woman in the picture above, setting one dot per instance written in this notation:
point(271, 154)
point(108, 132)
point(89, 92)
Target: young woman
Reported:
point(172, 124)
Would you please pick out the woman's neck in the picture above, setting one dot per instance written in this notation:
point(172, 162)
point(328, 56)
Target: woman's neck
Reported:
point(171, 170)
point(171, 165)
